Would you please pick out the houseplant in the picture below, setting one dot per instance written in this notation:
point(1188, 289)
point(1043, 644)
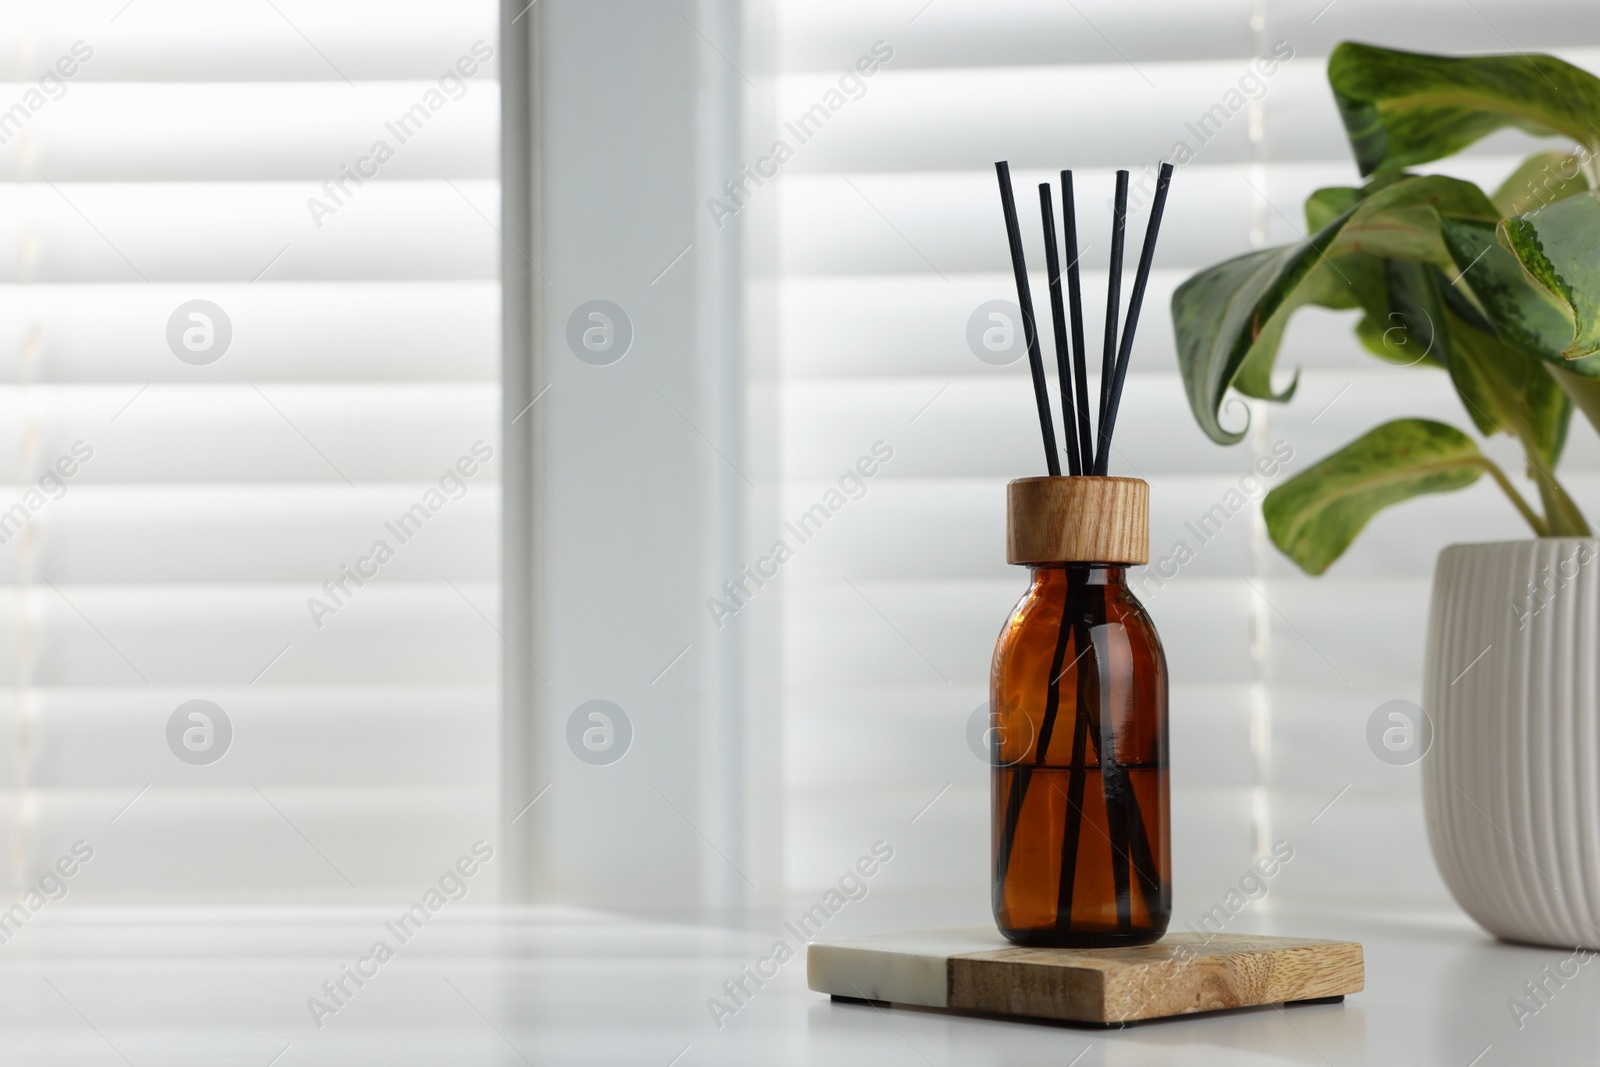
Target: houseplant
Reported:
point(1501, 292)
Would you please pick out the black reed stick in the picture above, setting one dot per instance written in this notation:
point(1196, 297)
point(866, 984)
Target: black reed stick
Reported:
point(1023, 774)
point(1108, 357)
point(1020, 774)
point(1147, 255)
point(1077, 779)
point(1019, 267)
point(1095, 704)
point(1069, 213)
point(1125, 827)
point(1052, 692)
point(1129, 837)
point(1058, 320)
point(1115, 785)
point(1143, 860)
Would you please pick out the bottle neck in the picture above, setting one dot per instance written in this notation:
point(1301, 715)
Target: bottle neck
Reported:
point(1110, 575)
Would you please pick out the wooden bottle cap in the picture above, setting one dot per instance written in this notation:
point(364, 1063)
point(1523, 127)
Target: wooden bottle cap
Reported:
point(1078, 520)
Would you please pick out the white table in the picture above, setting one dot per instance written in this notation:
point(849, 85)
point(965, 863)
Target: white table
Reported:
point(171, 987)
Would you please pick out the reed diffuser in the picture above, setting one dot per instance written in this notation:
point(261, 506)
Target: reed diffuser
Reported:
point(1080, 810)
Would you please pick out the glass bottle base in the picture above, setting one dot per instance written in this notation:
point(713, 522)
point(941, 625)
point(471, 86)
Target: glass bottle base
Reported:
point(1053, 938)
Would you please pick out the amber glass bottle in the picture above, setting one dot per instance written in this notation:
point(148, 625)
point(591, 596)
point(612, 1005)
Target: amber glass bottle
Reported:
point(1080, 811)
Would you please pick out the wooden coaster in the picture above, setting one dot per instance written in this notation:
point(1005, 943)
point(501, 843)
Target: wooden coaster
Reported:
point(973, 968)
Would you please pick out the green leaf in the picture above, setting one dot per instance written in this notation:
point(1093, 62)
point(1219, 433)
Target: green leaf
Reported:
point(1541, 179)
point(1255, 373)
point(1327, 204)
point(1419, 322)
point(1583, 391)
point(1513, 391)
point(1559, 247)
point(1502, 388)
point(1522, 314)
point(1220, 313)
point(1404, 108)
point(1314, 516)
point(1385, 335)
point(1229, 320)
point(1400, 217)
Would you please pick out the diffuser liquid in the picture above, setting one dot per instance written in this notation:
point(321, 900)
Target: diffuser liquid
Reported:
point(1117, 888)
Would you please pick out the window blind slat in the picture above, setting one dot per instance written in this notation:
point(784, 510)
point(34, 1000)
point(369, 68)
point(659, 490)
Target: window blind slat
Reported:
point(256, 131)
point(164, 534)
point(368, 737)
point(827, 35)
point(393, 331)
point(244, 433)
point(393, 632)
point(242, 231)
point(187, 41)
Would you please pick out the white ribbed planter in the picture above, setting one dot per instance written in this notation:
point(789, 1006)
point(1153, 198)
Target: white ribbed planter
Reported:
point(1512, 783)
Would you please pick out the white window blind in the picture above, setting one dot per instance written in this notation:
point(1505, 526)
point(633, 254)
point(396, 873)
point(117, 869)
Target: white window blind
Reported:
point(891, 237)
point(323, 177)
